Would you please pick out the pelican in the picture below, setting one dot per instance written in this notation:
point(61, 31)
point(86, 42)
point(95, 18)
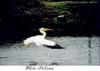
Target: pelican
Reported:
point(40, 40)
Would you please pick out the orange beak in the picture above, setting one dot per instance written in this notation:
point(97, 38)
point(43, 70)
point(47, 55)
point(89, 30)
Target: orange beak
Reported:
point(46, 29)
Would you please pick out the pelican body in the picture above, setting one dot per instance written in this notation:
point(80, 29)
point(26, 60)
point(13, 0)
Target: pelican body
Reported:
point(40, 40)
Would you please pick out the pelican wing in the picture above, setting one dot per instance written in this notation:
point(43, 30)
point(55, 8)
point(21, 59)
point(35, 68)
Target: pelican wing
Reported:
point(48, 42)
point(35, 39)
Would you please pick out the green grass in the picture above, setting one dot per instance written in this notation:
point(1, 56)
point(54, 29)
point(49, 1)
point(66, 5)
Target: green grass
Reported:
point(59, 6)
point(47, 3)
point(65, 5)
point(53, 3)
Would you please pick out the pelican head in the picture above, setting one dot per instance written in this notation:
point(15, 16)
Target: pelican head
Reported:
point(45, 29)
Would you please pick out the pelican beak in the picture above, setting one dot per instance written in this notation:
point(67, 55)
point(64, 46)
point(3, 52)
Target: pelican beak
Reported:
point(46, 29)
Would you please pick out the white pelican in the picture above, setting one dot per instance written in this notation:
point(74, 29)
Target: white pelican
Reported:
point(40, 40)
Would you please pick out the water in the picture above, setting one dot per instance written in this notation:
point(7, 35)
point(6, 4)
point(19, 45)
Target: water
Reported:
point(76, 52)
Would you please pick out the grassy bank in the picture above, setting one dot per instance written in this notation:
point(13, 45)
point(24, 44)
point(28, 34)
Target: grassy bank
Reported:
point(47, 3)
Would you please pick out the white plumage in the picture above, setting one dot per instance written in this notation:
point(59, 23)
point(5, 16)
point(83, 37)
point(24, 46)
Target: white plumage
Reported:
point(40, 39)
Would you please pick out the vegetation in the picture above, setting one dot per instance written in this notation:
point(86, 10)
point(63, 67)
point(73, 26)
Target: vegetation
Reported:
point(68, 0)
point(23, 18)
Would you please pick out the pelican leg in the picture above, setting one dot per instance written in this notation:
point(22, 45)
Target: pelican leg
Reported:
point(29, 45)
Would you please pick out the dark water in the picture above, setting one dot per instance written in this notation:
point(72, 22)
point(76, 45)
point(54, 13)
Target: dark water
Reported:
point(76, 52)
